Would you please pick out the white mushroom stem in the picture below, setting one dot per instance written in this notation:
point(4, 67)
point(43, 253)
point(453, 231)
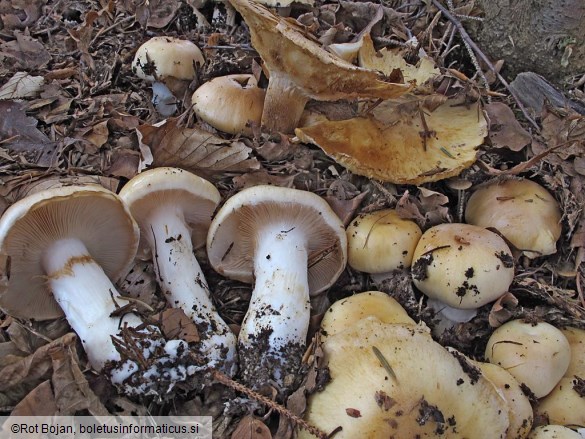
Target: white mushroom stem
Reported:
point(280, 305)
point(86, 296)
point(184, 285)
point(283, 105)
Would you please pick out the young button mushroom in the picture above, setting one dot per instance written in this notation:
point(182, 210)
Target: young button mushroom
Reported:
point(290, 243)
point(462, 266)
point(170, 65)
point(380, 242)
point(300, 70)
point(565, 404)
point(174, 208)
point(229, 103)
point(522, 211)
point(537, 355)
point(64, 246)
point(554, 432)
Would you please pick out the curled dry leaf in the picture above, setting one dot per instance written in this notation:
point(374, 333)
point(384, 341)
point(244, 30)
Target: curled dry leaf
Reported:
point(401, 143)
point(21, 85)
point(194, 150)
point(504, 130)
point(502, 310)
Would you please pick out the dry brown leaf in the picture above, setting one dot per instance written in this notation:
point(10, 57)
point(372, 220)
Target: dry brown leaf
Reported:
point(434, 206)
point(262, 176)
point(19, 14)
point(21, 85)
point(504, 130)
point(177, 325)
point(124, 163)
point(251, 427)
point(26, 52)
point(39, 402)
point(502, 310)
point(20, 135)
point(195, 150)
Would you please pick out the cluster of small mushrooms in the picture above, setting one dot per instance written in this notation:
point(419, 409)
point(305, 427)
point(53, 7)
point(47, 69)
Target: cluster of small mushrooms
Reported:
point(65, 248)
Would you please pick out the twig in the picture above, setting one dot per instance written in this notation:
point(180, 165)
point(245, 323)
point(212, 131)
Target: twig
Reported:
point(227, 381)
point(468, 41)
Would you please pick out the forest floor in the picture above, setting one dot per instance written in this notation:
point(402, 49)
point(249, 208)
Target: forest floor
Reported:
point(72, 110)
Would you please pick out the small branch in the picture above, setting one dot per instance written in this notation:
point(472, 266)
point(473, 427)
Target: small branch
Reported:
point(227, 381)
point(468, 41)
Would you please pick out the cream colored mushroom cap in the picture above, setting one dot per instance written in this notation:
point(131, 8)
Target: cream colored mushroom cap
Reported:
point(422, 392)
point(169, 56)
point(536, 355)
point(554, 432)
point(231, 242)
point(346, 312)
point(576, 338)
point(565, 405)
point(519, 407)
point(90, 213)
point(228, 103)
point(172, 189)
point(521, 210)
point(462, 265)
point(381, 241)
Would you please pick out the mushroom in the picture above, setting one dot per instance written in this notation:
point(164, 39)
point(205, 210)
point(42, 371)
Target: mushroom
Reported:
point(554, 432)
point(576, 338)
point(461, 265)
point(565, 404)
point(522, 211)
point(537, 355)
point(291, 244)
point(380, 242)
point(345, 312)
point(63, 248)
point(301, 69)
point(393, 380)
point(229, 103)
point(519, 407)
point(170, 65)
point(174, 208)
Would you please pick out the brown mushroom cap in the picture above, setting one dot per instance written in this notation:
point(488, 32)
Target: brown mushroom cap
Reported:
point(229, 102)
point(231, 238)
point(165, 186)
point(300, 69)
point(92, 214)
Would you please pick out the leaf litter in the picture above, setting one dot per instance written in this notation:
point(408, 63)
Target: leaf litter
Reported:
point(72, 111)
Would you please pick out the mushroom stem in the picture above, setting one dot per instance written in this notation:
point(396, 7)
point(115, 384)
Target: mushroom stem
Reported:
point(277, 321)
point(87, 297)
point(283, 105)
point(184, 284)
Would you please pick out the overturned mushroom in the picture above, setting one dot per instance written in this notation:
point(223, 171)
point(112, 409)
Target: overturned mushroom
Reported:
point(173, 208)
point(300, 69)
point(290, 244)
point(65, 246)
point(521, 210)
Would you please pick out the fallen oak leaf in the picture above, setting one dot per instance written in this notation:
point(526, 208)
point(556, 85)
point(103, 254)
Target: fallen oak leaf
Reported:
point(195, 150)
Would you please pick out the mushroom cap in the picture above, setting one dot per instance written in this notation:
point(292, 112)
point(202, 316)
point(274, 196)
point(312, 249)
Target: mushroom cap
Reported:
point(554, 432)
point(231, 241)
point(92, 214)
point(229, 102)
point(576, 338)
point(423, 391)
point(165, 186)
point(390, 143)
point(519, 408)
point(521, 210)
point(536, 355)
point(346, 312)
point(168, 57)
point(320, 74)
point(462, 265)
point(565, 405)
point(381, 241)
